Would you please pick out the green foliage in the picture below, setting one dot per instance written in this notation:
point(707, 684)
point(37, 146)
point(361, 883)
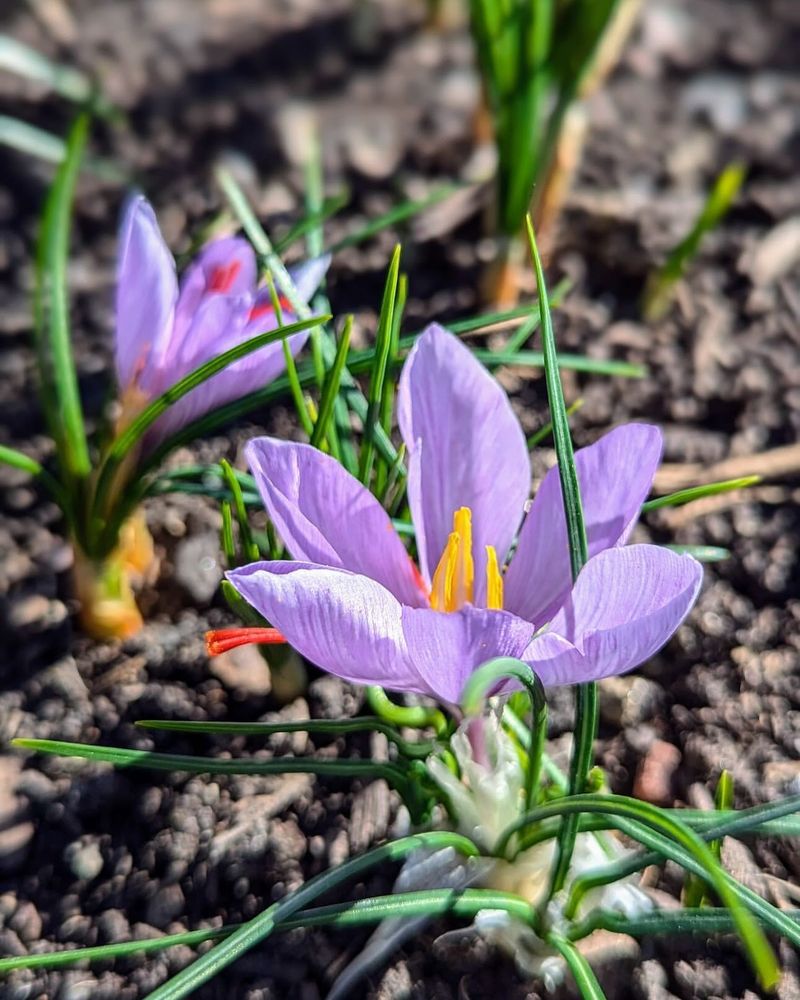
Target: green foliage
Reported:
point(534, 56)
point(661, 284)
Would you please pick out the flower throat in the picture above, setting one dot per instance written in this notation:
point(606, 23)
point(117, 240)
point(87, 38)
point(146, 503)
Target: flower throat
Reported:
point(454, 580)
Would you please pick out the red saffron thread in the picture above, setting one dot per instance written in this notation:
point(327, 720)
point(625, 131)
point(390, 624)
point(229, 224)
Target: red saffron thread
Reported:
point(222, 639)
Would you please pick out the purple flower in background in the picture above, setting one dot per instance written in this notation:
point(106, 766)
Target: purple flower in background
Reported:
point(355, 604)
point(166, 330)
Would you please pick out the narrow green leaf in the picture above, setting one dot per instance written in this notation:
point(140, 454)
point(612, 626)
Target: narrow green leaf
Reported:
point(139, 426)
point(703, 553)
point(756, 944)
point(383, 347)
point(709, 826)
point(399, 213)
point(330, 391)
point(153, 761)
point(251, 551)
point(331, 727)
point(661, 284)
point(52, 312)
point(66, 81)
point(544, 432)
point(262, 245)
point(585, 979)
point(300, 405)
point(586, 709)
point(672, 923)
point(261, 926)
point(698, 492)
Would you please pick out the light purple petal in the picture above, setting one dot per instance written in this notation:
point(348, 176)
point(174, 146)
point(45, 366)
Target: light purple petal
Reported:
point(308, 276)
point(344, 623)
point(625, 605)
point(615, 475)
point(325, 516)
point(447, 648)
point(468, 447)
point(218, 326)
point(146, 293)
point(224, 267)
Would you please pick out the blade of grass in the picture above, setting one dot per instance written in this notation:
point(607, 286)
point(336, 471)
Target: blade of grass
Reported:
point(331, 727)
point(300, 405)
point(661, 284)
point(330, 390)
point(698, 492)
point(586, 709)
point(383, 346)
point(263, 247)
point(544, 432)
point(52, 312)
point(261, 926)
point(249, 548)
point(585, 979)
point(126, 441)
point(153, 761)
point(399, 213)
point(670, 829)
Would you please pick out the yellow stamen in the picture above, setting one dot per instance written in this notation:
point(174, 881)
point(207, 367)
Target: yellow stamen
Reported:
point(454, 578)
point(494, 580)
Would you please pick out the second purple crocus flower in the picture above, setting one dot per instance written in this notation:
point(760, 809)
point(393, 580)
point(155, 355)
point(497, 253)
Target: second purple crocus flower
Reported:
point(166, 330)
point(354, 603)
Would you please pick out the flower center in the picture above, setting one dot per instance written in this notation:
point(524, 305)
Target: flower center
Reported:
point(454, 580)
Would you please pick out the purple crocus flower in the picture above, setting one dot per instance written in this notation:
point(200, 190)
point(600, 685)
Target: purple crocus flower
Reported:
point(166, 330)
point(355, 604)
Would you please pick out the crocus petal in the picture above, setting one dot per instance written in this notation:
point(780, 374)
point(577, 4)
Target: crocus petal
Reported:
point(325, 516)
point(223, 267)
point(146, 293)
point(217, 326)
point(307, 277)
point(470, 451)
point(447, 648)
point(625, 605)
point(344, 623)
point(615, 476)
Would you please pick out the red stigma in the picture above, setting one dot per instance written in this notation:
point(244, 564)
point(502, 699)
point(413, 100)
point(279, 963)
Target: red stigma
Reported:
point(222, 639)
point(264, 308)
point(223, 277)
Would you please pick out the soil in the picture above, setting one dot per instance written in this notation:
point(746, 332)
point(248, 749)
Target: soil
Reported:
point(91, 855)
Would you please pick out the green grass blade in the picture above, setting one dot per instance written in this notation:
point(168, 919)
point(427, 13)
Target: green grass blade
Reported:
point(142, 423)
point(698, 492)
point(585, 979)
point(68, 82)
point(708, 825)
point(661, 284)
point(586, 710)
point(250, 549)
point(260, 927)
point(670, 829)
point(19, 460)
point(544, 432)
point(330, 390)
point(150, 760)
point(50, 148)
point(399, 213)
point(311, 224)
point(670, 922)
point(58, 364)
point(263, 247)
point(383, 347)
point(464, 904)
point(329, 727)
point(702, 553)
